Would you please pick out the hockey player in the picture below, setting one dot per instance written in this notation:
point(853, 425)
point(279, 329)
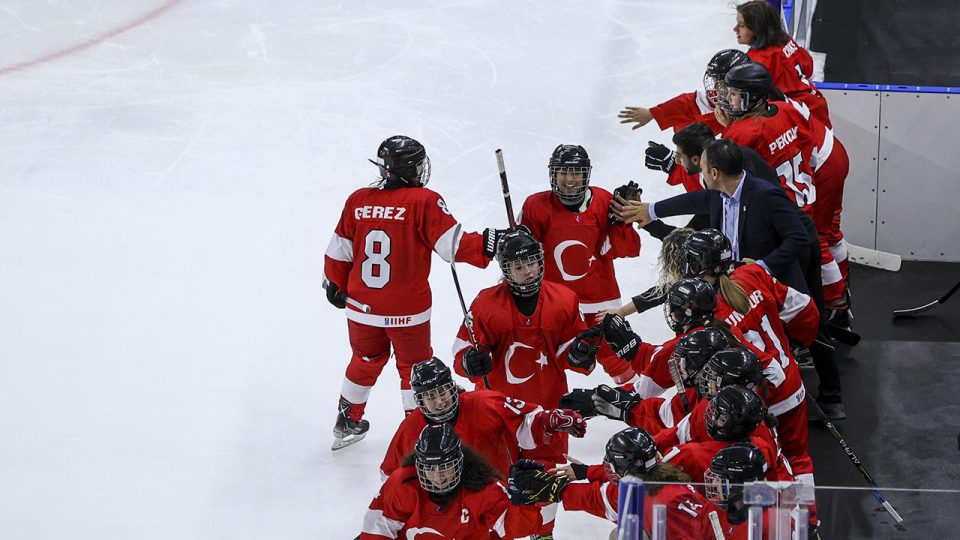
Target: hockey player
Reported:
point(496, 426)
point(730, 469)
point(688, 307)
point(445, 488)
point(655, 414)
point(759, 25)
point(376, 269)
point(581, 238)
point(732, 416)
point(630, 452)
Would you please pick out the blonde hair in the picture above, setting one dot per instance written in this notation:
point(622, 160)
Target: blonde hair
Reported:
point(669, 260)
point(734, 295)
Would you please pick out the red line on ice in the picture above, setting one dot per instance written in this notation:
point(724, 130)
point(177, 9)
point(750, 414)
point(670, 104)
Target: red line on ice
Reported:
point(96, 40)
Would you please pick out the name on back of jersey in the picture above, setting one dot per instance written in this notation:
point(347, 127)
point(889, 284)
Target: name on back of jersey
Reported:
point(756, 297)
point(783, 140)
point(395, 213)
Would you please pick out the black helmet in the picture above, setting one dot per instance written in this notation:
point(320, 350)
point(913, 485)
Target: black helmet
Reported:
point(729, 469)
point(689, 302)
point(750, 82)
point(696, 348)
point(717, 68)
point(631, 451)
point(431, 380)
point(402, 162)
point(730, 366)
point(516, 248)
point(706, 252)
point(733, 414)
point(570, 158)
point(439, 458)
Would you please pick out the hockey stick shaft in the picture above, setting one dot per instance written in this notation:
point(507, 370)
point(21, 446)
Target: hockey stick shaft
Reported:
point(463, 305)
point(506, 189)
point(874, 488)
point(675, 375)
point(355, 303)
point(927, 307)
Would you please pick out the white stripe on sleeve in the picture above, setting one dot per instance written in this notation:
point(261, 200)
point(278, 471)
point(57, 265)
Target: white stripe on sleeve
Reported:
point(447, 244)
point(374, 522)
point(340, 249)
point(794, 303)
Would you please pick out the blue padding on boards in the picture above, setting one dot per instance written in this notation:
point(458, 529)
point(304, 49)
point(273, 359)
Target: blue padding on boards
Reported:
point(630, 509)
point(889, 88)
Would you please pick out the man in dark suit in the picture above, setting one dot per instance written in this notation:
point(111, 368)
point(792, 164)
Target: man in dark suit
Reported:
point(758, 218)
point(762, 224)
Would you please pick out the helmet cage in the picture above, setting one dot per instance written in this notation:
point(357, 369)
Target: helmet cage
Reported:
point(510, 266)
point(718, 488)
point(746, 101)
point(448, 407)
point(710, 83)
point(569, 198)
point(446, 475)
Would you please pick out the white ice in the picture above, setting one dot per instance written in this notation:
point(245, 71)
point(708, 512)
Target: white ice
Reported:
point(169, 366)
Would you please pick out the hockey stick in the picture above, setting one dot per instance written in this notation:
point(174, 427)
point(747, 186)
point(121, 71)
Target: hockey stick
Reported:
point(359, 305)
point(506, 189)
point(926, 307)
point(843, 335)
point(874, 489)
point(467, 322)
point(873, 258)
point(675, 375)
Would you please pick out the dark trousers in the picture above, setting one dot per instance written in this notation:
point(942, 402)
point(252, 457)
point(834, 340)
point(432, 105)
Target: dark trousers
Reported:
point(823, 349)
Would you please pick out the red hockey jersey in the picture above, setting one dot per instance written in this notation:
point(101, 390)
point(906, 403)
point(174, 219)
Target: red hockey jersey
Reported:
point(786, 144)
point(679, 112)
point(529, 353)
point(656, 414)
point(381, 249)
point(494, 425)
point(695, 457)
point(791, 68)
point(777, 314)
point(404, 510)
point(687, 510)
point(579, 247)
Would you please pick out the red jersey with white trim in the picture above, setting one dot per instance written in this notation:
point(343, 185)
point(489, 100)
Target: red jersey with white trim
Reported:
point(695, 457)
point(687, 510)
point(680, 111)
point(402, 509)
point(494, 425)
point(791, 68)
point(656, 414)
point(529, 353)
point(786, 144)
point(380, 252)
point(777, 314)
point(579, 247)
point(651, 363)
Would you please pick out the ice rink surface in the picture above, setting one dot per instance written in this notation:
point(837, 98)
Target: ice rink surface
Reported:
point(172, 173)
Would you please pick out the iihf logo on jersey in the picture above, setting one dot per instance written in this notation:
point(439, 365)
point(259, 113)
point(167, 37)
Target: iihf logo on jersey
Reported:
point(578, 219)
point(528, 322)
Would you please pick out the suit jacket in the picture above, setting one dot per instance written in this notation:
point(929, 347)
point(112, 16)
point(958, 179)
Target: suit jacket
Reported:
point(770, 226)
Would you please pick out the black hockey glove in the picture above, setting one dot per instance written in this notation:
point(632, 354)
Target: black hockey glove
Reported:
point(659, 157)
point(539, 486)
point(477, 361)
point(648, 299)
point(583, 350)
point(336, 296)
point(630, 191)
point(614, 403)
point(617, 332)
point(491, 239)
point(513, 490)
point(580, 400)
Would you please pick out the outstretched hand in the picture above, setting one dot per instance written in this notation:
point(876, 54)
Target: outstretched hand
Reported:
point(638, 115)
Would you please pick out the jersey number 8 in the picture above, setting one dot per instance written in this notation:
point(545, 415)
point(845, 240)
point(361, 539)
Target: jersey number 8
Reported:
point(375, 270)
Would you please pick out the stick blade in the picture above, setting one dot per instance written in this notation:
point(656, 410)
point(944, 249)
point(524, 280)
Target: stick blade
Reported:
point(910, 312)
point(874, 258)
